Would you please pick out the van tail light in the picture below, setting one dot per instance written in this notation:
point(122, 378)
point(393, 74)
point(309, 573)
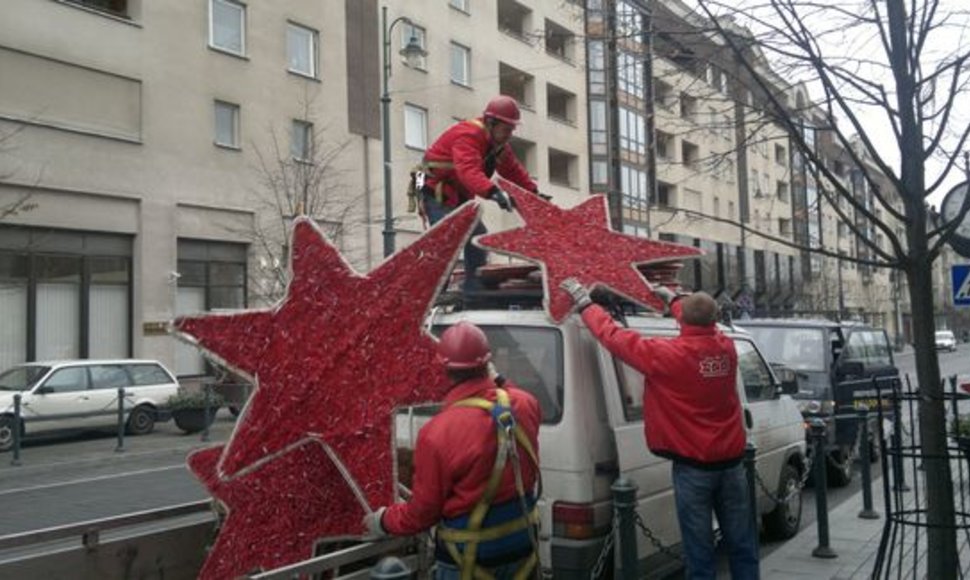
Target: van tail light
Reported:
point(580, 521)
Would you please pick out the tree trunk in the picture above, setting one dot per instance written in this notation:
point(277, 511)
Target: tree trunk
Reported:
point(941, 532)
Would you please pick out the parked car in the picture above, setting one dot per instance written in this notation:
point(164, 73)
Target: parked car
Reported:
point(592, 433)
point(82, 394)
point(834, 364)
point(946, 340)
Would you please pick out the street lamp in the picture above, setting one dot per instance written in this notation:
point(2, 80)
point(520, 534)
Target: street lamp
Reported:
point(411, 52)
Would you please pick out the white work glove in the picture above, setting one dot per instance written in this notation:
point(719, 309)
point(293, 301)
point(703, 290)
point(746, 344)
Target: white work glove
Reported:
point(372, 523)
point(665, 294)
point(577, 292)
point(503, 199)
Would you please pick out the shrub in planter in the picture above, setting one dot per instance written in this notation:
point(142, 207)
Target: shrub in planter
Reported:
point(193, 411)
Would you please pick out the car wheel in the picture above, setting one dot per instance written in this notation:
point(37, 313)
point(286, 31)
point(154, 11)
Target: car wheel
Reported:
point(839, 468)
point(6, 433)
point(141, 421)
point(784, 521)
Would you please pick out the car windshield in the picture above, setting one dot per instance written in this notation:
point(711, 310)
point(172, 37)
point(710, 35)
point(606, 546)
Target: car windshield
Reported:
point(801, 349)
point(21, 378)
point(944, 334)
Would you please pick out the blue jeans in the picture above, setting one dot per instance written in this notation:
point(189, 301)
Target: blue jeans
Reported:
point(723, 492)
point(444, 571)
point(474, 257)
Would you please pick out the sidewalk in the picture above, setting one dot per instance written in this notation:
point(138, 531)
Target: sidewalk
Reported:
point(854, 540)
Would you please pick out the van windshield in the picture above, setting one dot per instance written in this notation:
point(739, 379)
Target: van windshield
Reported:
point(21, 378)
point(801, 349)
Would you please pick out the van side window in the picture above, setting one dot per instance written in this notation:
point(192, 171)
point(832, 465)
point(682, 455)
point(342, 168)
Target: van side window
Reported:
point(631, 390)
point(145, 375)
point(855, 348)
point(108, 377)
point(879, 353)
point(755, 375)
point(68, 380)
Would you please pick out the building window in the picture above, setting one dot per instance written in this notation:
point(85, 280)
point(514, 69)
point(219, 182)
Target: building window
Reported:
point(784, 226)
point(630, 73)
point(731, 214)
point(415, 127)
point(688, 107)
point(113, 7)
point(665, 146)
point(70, 300)
point(301, 49)
point(460, 64)
point(600, 173)
point(781, 189)
point(596, 59)
point(560, 41)
point(633, 184)
point(459, 4)
point(663, 94)
point(525, 152)
point(560, 104)
point(597, 126)
point(517, 84)
point(301, 140)
point(227, 26)
point(212, 276)
point(717, 206)
point(781, 158)
point(409, 31)
point(227, 124)
point(690, 154)
point(563, 168)
point(665, 194)
point(633, 131)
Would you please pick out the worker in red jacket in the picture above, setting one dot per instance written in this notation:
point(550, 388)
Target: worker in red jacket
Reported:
point(691, 415)
point(475, 470)
point(459, 165)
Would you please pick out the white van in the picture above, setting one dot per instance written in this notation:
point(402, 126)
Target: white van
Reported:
point(83, 394)
point(592, 432)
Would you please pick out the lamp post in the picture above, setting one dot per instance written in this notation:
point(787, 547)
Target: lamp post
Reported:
point(411, 52)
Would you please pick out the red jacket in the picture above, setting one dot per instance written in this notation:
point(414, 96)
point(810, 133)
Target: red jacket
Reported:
point(466, 145)
point(454, 456)
point(691, 409)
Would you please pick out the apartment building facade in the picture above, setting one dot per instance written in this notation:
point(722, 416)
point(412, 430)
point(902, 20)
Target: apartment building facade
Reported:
point(162, 147)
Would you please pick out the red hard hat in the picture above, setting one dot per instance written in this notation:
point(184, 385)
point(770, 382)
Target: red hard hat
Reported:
point(504, 109)
point(464, 346)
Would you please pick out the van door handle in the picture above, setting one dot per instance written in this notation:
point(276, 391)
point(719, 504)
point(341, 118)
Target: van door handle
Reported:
point(748, 419)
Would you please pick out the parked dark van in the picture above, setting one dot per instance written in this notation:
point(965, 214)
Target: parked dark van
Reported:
point(834, 364)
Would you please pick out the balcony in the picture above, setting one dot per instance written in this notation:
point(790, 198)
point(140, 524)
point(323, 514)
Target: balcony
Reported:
point(515, 20)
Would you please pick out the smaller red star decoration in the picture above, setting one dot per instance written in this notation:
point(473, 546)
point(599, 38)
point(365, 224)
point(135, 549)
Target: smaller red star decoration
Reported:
point(303, 484)
point(579, 243)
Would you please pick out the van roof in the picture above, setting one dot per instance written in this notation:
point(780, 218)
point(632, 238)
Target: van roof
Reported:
point(86, 362)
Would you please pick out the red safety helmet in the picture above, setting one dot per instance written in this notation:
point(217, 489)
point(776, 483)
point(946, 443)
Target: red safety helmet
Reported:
point(464, 346)
point(504, 109)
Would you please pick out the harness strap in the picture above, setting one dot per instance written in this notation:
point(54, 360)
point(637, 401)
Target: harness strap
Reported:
point(473, 534)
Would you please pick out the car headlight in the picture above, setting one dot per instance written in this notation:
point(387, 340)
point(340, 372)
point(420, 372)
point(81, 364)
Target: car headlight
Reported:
point(816, 407)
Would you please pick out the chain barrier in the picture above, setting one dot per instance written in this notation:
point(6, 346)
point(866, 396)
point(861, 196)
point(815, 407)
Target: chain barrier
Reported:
point(607, 548)
point(654, 540)
point(806, 473)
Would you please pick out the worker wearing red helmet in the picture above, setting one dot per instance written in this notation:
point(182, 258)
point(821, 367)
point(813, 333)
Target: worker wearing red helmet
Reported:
point(459, 165)
point(475, 470)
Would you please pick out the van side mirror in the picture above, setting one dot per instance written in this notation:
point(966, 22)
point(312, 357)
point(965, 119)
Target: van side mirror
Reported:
point(787, 380)
point(851, 369)
point(43, 390)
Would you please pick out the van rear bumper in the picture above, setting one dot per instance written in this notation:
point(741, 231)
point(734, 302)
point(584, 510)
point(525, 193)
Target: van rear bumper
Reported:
point(575, 559)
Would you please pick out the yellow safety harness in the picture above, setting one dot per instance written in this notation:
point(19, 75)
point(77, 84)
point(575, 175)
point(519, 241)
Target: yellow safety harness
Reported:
point(427, 168)
point(509, 434)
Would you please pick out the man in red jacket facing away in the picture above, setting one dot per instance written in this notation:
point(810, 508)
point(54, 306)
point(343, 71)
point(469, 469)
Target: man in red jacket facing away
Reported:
point(459, 166)
point(691, 415)
point(475, 467)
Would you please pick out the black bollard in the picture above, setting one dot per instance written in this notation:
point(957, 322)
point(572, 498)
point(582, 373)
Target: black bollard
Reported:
point(867, 512)
point(819, 438)
point(15, 430)
point(750, 452)
point(390, 568)
point(625, 503)
point(121, 420)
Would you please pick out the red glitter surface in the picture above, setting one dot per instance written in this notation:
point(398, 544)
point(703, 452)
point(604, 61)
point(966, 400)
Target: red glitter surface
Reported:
point(330, 363)
point(277, 509)
point(579, 243)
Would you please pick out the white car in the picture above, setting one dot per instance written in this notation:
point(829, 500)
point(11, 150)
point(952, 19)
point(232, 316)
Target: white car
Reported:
point(82, 394)
point(945, 340)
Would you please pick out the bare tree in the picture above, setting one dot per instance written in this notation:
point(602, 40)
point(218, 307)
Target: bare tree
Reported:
point(298, 174)
point(22, 202)
point(903, 64)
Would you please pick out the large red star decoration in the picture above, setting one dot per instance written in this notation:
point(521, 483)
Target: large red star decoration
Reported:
point(302, 485)
point(579, 243)
point(330, 363)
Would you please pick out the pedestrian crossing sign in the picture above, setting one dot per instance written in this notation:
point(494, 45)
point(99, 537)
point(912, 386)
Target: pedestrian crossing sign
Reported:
point(960, 273)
